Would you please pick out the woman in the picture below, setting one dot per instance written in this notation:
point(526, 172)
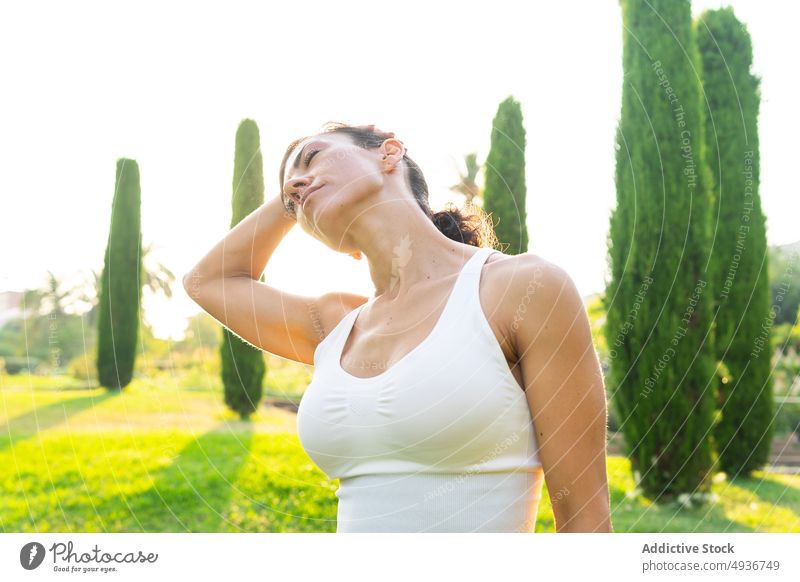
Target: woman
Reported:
point(442, 402)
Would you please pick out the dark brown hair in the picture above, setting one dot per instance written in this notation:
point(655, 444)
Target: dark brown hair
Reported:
point(471, 227)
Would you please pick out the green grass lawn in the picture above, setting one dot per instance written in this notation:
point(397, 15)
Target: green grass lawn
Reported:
point(161, 458)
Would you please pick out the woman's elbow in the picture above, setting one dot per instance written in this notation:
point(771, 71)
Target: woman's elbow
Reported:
point(591, 518)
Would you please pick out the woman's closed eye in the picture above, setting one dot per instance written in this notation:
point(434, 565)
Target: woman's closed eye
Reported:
point(294, 197)
point(310, 155)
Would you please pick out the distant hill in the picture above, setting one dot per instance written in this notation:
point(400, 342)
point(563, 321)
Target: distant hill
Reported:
point(784, 281)
point(788, 248)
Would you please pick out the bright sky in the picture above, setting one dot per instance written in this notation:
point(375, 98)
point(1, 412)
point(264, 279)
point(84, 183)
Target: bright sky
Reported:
point(167, 85)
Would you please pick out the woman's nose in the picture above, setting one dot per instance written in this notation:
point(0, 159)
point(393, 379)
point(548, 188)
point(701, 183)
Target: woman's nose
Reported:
point(296, 183)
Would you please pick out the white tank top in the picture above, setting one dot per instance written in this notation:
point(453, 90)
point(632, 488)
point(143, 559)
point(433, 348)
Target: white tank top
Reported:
point(441, 441)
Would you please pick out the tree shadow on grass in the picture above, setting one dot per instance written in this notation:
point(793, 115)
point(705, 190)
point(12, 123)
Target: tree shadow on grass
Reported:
point(42, 418)
point(189, 495)
point(770, 490)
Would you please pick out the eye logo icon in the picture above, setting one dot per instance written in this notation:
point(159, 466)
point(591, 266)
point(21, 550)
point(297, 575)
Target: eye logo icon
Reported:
point(31, 555)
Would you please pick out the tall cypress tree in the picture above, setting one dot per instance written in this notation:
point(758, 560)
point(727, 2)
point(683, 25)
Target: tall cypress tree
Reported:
point(744, 433)
point(505, 193)
point(658, 299)
point(243, 366)
point(121, 282)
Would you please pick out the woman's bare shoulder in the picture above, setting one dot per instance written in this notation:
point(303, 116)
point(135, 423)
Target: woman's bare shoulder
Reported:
point(525, 272)
point(522, 288)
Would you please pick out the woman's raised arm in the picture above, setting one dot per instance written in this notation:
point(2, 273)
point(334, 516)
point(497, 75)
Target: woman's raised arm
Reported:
point(225, 284)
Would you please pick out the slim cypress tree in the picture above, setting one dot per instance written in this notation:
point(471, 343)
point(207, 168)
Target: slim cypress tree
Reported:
point(505, 193)
point(744, 433)
point(121, 282)
point(658, 326)
point(242, 365)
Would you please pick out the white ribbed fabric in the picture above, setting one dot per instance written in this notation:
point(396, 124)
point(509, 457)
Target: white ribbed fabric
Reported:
point(442, 441)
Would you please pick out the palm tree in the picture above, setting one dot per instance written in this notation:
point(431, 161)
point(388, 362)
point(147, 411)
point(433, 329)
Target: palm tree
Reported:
point(157, 278)
point(466, 180)
point(51, 299)
point(89, 294)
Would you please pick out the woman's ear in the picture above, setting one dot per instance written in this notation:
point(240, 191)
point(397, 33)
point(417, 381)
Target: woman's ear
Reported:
point(356, 255)
point(392, 152)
